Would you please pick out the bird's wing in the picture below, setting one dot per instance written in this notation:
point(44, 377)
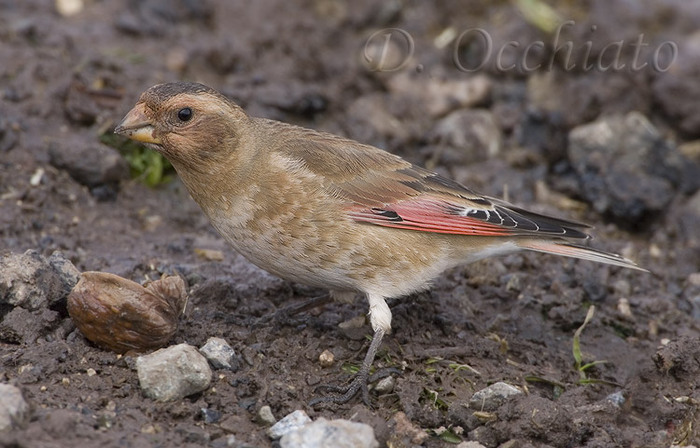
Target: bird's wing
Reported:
point(385, 190)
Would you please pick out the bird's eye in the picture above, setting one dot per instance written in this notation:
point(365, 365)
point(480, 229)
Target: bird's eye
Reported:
point(184, 114)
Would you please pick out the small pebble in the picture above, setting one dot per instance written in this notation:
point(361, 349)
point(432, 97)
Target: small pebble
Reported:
point(385, 385)
point(220, 354)
point(265, 415)
point(290, 422)
point(326, 358)
point(404, 432)
point(617, 398)
point(173, 373)
point(68, 8)
point(694, 279)
point(623, 306)
point(210, 416)
point(13, 409)
point(470, 444)
point(490, 398)
point(35, 180)
point(331, 434)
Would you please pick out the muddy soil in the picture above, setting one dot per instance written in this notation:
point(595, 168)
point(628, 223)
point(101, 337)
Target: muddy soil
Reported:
point(67, 77)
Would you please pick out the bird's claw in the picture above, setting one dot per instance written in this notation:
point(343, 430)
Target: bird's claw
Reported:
point(360, 383)
point(343, 394)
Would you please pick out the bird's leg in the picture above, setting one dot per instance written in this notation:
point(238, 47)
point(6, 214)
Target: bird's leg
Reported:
point(380, 317)
point(283, 315)
point(358, 383)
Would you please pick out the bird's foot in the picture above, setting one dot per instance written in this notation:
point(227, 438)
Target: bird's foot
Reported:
point(361, 380)
point(360, 383)
point(284, 316)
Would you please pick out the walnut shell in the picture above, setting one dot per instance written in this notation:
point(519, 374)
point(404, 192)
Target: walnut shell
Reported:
point(121, 315)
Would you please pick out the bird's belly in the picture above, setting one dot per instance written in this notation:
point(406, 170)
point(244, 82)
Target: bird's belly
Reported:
point(343, 255)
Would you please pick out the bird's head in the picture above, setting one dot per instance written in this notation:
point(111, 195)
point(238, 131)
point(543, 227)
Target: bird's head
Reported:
point(192, 125)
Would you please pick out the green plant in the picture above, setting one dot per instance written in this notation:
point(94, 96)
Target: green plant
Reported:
point(146, 165)
point(578, 357)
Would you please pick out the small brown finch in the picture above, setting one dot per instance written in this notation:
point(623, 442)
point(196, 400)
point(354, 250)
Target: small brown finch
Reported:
point(330, 212)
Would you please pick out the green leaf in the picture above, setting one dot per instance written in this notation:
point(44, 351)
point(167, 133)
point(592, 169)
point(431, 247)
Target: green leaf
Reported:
point(576, 349)
point(450, 437)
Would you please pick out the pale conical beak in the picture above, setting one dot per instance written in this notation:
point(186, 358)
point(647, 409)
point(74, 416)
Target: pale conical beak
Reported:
point(137, 126)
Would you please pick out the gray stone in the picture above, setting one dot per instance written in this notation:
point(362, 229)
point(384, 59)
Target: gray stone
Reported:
point(90, 164)
point(385, 385)
point(66, 271)
point(616, 398)
point(331, 434)
point(626, 169)
point(13, 409)
point(289, 423)
point(470, 444)
point(31, 281)
point(441, 96)
point(173, 373)
point(490, 398)
point(219, 354)
point(472, 134)
point(677, 91)
point(265, 415)
point(21, 326)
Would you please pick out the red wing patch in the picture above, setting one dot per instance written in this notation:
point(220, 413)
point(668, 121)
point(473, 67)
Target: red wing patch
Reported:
point(429, 215)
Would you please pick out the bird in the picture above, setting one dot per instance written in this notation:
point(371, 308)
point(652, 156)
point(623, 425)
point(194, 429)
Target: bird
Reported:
point(329, 212)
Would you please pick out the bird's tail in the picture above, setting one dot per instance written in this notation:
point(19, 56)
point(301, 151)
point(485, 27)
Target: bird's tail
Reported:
point(567, 249)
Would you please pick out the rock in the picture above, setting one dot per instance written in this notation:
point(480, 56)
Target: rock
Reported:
point(679, 358)
point(331, 434)
point(68, 8)
point(404, 432)
point(173, 373)
point(219, 354)
point(289, 423)
point(370, 120)
point(21, 326)
point(13, 409)
point(441, 96)
point(574, 100)
point(472, 134)
point(210, 416)
point(385, 385)
point(67, 273)
point(265, 415)
point(326, 358)
point(626, 169)
point(470, 444)
point(678, 92)
point(617, 398)
point(91, 164)
point(31, 281)
point(293, 97)
point(490, 398)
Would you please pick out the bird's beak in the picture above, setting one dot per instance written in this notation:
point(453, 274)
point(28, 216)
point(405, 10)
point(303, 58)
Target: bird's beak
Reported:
point(137, 126)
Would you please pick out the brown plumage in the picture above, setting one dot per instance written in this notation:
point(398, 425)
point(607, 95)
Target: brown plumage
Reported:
point(326, 211)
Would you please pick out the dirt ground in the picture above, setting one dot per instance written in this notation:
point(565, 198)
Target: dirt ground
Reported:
point(66, 80)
